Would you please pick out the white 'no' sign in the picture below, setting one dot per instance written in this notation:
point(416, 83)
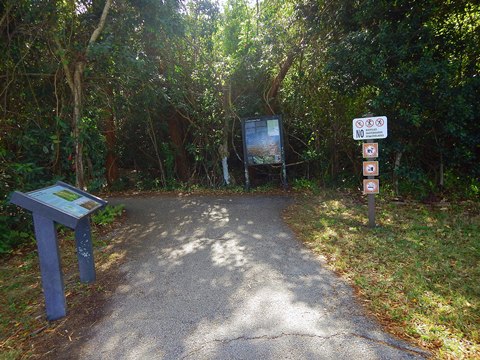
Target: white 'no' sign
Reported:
point(374, 127)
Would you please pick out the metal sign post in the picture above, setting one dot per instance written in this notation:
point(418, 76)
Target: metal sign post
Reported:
point(366, 129)
point(69, 206)
point(50, 267)
point(371, 185)
point(371, 210)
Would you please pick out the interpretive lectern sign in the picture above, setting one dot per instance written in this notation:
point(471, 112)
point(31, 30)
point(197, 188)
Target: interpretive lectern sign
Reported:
point(69, 206)
point(65, 200)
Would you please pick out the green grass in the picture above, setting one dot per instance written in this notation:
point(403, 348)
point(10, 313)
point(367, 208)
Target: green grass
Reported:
point(419, 272)
point(107, 215)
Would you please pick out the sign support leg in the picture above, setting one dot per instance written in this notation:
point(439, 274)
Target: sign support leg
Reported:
point(284, 175)
point(50, 267)
point(371, 210)
point(83, 241)
point(247, 178)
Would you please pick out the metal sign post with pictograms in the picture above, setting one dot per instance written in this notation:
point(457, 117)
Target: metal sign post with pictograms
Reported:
point(366, 129)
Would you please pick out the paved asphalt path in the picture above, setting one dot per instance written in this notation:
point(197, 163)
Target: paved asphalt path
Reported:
point(225, 278)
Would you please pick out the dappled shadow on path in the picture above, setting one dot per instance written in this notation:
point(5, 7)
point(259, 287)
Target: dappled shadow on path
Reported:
point(224, 278)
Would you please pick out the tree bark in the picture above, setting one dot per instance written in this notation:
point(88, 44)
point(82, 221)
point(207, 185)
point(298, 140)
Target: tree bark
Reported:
point(5, 15)
point(334, 148)
point(272, 92)
point(176, 132)
point(77, 119)
point(226, 130)
point(441, 174)
point(111, 165)
point(153, 138)
point(398, 158)
point(75, 82)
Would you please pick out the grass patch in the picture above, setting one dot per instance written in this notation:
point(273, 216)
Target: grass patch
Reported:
point(197, 190)
point(418, 272)
point(22, 315)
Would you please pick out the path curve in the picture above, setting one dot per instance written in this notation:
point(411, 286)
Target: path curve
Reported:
point(225, 278)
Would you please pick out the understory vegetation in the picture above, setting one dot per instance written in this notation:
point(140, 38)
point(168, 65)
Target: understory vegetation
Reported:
point(147, 94)
point(21, 300)
point(117, 96)
point(417, 271)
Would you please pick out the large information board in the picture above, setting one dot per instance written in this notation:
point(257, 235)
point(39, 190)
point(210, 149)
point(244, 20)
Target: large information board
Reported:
point(263, 143)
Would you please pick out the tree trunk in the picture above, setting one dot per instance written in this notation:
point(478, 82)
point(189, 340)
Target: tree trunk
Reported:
point(111, 165)
point(176, 132)
point(153, 138)
point(272, 92)
point(441, 175)
point(398, 158)
point(75, 82)
point(77, 122)
point(226, 130)
point(335, 150)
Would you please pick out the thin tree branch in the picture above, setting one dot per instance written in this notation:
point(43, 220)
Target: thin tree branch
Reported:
point(63, 60)
point(29, 74)
point(101, 24)
point(5, 16)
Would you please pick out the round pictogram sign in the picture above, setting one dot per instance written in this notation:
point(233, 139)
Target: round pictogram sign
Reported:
point(379, 122)
point(359, 124)
point(369, 123)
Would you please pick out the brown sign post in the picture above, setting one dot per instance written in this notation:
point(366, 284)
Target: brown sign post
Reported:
point(371, 186)
point(367, 129)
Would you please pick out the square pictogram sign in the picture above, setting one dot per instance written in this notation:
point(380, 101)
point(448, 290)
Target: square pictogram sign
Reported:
point(370, 150)
point(371, 186)
point(370, 168)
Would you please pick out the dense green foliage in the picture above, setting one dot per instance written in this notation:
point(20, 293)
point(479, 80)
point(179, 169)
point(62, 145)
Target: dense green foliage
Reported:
point(166, 83)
